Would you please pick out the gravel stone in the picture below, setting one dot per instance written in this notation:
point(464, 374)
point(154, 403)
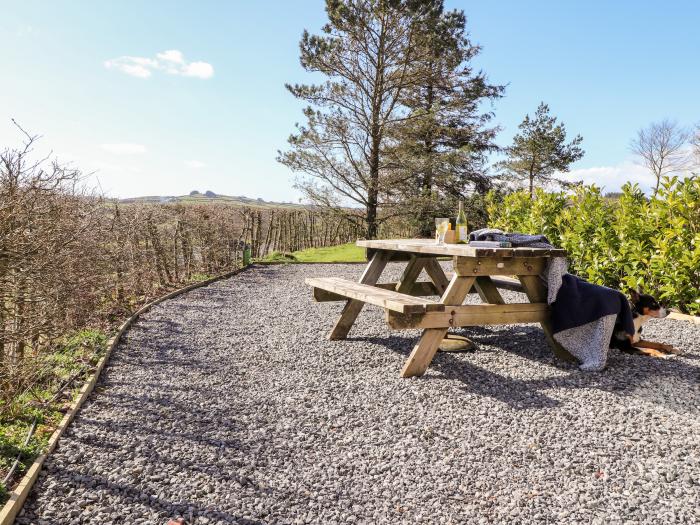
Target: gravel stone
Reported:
point(229, 405)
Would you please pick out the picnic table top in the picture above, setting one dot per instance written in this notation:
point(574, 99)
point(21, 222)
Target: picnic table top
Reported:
point(430, 247)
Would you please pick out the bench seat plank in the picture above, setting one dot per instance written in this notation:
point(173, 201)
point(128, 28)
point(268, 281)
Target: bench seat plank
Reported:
point(389, 299)
point(419, 289)
point(472, 315)
point(508, 283)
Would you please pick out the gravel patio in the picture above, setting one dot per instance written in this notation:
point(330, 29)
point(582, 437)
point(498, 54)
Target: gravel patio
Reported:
point(229, 405)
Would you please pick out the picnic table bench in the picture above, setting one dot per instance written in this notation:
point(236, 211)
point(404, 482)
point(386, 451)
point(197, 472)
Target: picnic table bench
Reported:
point(407, 303)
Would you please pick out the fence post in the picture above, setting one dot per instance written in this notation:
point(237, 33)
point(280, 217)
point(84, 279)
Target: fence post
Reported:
point(246, 255)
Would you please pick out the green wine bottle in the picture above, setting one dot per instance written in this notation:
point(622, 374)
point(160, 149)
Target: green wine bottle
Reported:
point(462, 232)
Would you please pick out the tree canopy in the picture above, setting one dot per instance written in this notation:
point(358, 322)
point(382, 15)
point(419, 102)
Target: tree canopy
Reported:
point(540, 150)
point(440, 149)
point(396, 126)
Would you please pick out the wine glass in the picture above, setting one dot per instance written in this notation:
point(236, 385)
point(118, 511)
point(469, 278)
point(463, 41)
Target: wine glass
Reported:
point(442, 224)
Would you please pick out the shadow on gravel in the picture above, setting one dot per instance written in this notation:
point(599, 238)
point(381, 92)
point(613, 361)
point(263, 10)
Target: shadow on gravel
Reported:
point(624, 376)
point(159, 504)
point(167, 457)
point(221, 464)
point(524, 340)
point(518, 394)
point(181, 415)
point(176, 355)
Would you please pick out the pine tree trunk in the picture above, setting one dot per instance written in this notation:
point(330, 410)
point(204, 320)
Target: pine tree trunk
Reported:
point(425, 219)
point(373, 193)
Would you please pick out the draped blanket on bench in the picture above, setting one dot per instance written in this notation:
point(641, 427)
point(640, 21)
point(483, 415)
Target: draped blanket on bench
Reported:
point(583, 314)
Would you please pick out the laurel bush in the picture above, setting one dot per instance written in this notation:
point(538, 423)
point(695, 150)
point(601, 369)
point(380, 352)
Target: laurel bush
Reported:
point(622, 242)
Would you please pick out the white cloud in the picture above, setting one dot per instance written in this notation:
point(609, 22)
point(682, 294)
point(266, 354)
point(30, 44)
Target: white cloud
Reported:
point(170, 61)
point(611, 178)
point(124, 148)
point(134, 66)
point(172, 55)
point(198, 69)
point(195, 164)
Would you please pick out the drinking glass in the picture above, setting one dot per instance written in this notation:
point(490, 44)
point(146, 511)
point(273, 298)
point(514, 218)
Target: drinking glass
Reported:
point(442, 224)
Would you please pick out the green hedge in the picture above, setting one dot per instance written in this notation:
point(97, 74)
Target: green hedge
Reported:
point(623, 242)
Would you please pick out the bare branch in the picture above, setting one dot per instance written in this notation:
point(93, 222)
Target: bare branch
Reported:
point(662, 148)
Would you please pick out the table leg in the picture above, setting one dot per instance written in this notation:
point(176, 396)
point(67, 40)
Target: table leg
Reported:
point(353, 307)
point(424, 351)
point(536, 292)
point(410, 274)
point(436, 274)
point(488, 291)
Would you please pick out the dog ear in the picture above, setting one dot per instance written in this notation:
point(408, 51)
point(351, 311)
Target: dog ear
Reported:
point(634, 295)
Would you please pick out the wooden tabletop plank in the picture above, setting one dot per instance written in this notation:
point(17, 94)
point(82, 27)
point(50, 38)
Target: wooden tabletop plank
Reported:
point(430, 247)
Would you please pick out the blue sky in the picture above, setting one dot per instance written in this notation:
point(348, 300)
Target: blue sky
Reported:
point(204, 106)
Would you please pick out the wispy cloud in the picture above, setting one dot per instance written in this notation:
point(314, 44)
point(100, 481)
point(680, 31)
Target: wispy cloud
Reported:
point(124, 148)
point(611, 178)
point(24, 30)
point(116, 168)
point(171, 62)
point(135, 66)
point(195, 164)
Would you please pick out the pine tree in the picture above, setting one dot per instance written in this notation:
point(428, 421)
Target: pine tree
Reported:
point(540, 150)
point(366, 51)
point(442, 145)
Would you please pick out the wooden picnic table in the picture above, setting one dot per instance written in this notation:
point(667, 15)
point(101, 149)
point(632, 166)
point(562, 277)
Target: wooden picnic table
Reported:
point(407, 302)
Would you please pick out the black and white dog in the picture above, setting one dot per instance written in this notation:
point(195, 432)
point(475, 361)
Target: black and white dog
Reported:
point(644, 307)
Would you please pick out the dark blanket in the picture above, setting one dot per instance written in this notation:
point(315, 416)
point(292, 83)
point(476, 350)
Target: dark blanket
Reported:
point(517, 240)
point(579, 302)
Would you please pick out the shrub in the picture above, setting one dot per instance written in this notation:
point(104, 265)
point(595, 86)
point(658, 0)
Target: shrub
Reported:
point(621, 243)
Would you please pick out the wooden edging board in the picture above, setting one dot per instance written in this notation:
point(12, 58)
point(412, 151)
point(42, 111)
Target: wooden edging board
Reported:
point(9, 511)
point(274, 263)
point(684, 317)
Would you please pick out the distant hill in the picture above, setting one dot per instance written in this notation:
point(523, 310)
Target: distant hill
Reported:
point(196, 197)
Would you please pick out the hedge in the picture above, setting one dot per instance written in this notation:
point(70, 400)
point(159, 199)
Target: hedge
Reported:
point(625, 242)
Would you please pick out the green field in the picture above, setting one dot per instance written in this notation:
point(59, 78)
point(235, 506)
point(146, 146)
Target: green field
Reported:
point(211, 198)
point(343, 253)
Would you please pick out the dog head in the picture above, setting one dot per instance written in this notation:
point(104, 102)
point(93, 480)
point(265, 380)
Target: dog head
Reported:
point(645, 305)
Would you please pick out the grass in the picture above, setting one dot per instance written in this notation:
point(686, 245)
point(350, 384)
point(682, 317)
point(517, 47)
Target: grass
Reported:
point(74, 359)
point(199, 277)
point(343, 253)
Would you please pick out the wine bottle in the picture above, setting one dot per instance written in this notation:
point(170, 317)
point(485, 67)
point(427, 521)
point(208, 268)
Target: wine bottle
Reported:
point(462, 232)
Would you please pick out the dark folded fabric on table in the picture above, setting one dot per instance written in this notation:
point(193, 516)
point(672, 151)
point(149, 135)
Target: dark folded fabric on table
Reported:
point(517, 240)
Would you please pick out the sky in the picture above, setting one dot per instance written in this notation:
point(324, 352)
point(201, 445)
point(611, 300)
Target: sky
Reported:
point(162, 98)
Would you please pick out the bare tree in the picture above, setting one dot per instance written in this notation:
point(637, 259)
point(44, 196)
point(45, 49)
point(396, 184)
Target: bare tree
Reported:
point(695, 144)
point(662, 148)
